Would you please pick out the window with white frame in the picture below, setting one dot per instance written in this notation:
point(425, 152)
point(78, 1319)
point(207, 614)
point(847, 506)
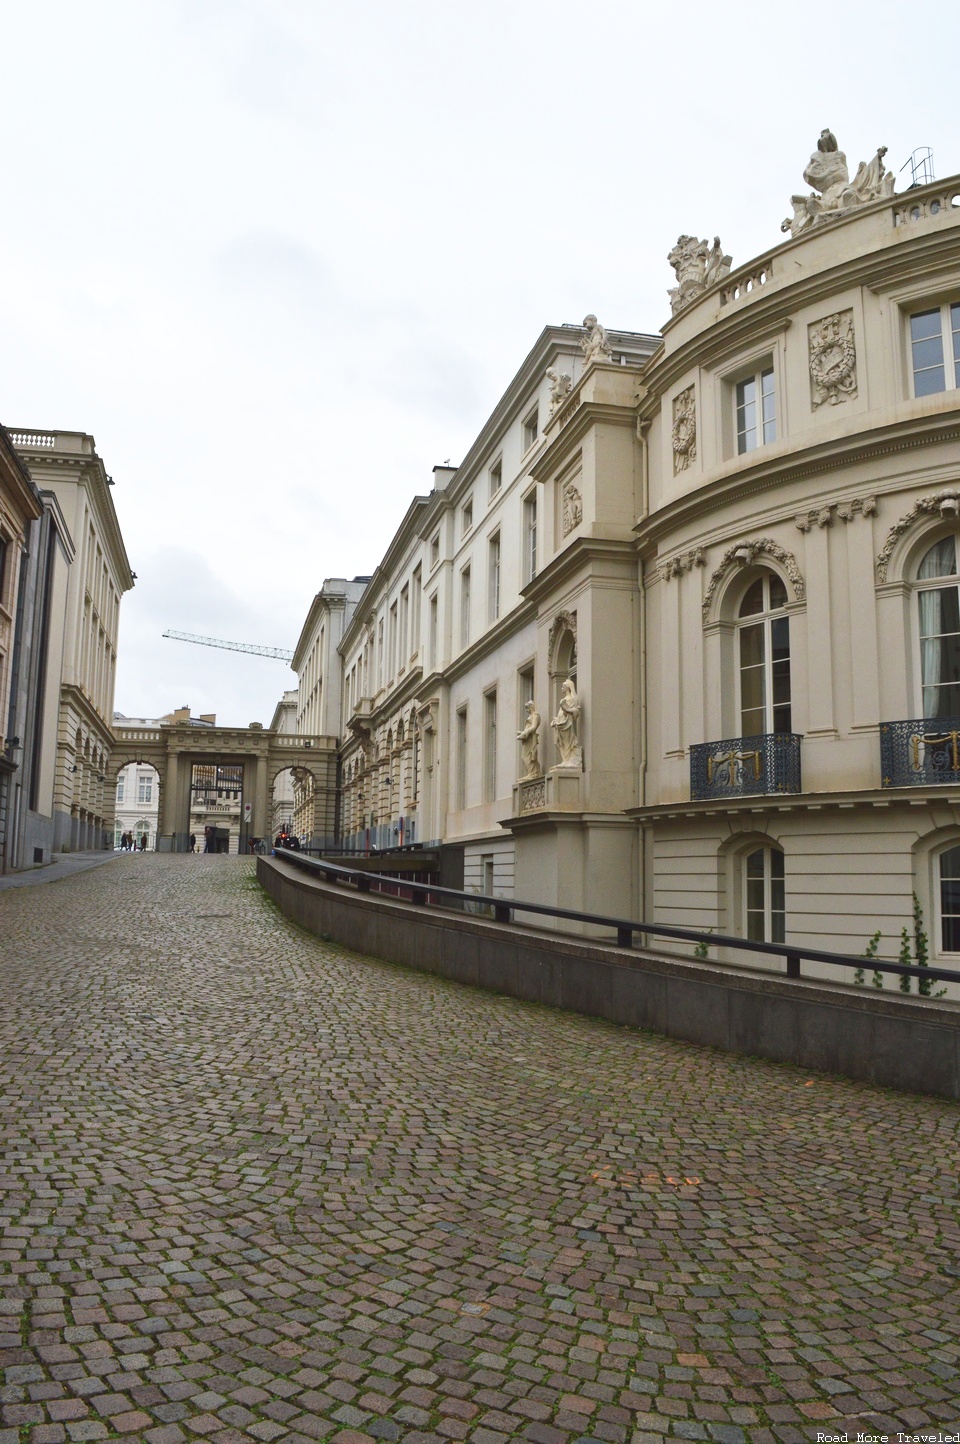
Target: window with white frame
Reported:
point(434, 551)
point(416, 604)
point(144, 788)
point(764, 901)
point(466, 517)
point(935, 349)
point(465, 607)
point(939, 618)
point(121, 781)
point(530, 536)
point(461, 785)
point(949, 869)
point(756, 409)
point(493, 577)
point(434, 631)
point(496, 478)
point(763, 651)
point(531, 428)
point(490, 746)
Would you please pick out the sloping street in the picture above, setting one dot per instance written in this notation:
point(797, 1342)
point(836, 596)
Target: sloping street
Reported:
point(257, 1187)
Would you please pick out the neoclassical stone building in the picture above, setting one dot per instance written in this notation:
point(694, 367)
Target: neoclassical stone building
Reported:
point(739, 543)
point(65, 465)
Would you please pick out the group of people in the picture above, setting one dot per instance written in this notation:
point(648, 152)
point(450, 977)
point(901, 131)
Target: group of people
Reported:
point(128, 843)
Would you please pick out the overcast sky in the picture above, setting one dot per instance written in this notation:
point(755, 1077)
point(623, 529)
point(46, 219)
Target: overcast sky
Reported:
point(281, 257)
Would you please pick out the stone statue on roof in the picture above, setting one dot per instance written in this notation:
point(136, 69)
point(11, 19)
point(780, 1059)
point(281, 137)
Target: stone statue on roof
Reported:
point(697, 265)
point(833, 191)
point(594, 342)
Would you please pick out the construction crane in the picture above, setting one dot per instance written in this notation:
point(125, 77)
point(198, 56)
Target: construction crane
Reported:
point(280, 653)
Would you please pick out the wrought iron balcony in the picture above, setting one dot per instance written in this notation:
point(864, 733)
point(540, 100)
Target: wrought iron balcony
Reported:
point(745, 766)
point(922, 752)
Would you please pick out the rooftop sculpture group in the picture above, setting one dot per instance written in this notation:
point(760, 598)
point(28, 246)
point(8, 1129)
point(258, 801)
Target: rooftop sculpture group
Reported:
point(828, 174)
point(698, 265)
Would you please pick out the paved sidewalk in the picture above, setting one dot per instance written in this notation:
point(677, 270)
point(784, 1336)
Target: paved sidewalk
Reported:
point(260, 1188)
point(64, 864)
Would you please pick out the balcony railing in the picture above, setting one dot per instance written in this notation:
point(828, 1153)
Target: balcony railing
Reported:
point(745, 766)
point(924, 751)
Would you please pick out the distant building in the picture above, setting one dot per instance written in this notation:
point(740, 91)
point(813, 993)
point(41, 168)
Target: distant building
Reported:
point(284, 722)
point(138, 785)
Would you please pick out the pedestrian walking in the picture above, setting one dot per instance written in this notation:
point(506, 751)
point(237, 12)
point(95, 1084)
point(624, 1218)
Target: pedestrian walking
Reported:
point(193, 842)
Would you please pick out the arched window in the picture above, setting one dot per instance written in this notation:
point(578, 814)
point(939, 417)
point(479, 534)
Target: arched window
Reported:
point(939, 630)
point(763, 648)
point(764, 895)
point(950, 900)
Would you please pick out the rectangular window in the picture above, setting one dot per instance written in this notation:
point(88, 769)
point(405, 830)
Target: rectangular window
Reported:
point(489, 746)
point(950, 900)
point(530, 537)
point(393, 643)
point(416, 604)
point(756, 411)
point(4, 548)
point(765, 888)
point(404, 625)
point(120, 782)
point(486, 874)
point(493, 576)
point(940, 651)
point(531, 428)
point(466, 517)
point(461, 792)
point(465, 607)
point(434, 632)
point(434, 551)
point(496, 478)
point(935, 349)
point(380, 651)
point(144, 789)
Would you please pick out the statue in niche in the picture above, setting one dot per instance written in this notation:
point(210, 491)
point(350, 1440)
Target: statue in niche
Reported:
point(697, 265)
point(827, 172)
point(561, 385)
point(529, 739)
point(594, 343)
point(566, 725)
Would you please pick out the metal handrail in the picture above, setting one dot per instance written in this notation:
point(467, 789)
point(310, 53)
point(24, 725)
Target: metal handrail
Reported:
point(625, 927)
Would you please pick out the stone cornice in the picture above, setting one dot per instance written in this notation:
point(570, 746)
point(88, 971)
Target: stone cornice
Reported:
point(72, 693)
point(880, 797)
point(588, 414)
point(578, 554)
point(87, 469)
point(826, 456)
point(512, 622)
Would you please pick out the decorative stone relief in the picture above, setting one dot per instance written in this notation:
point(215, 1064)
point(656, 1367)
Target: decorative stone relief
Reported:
point(827, 172)
point(683, 562)
point(572, 508)
point(946, 502)
point(744, 554)
point(594, 343)
point(846, 511)
point(425, 715)
point(529, 739)
point(566, 725)
point(684, 434)
point(859, 506)
point(833, 359)
point(697, 265)
point(533, 795)
point(561, 385)
point(562, 622)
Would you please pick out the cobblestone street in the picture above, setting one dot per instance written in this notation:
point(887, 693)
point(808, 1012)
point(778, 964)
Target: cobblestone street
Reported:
point(258, 1187)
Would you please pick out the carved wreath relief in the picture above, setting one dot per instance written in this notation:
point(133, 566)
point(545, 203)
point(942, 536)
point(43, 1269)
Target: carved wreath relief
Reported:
point(572, 508)
point(684, 434)
point(833, 359)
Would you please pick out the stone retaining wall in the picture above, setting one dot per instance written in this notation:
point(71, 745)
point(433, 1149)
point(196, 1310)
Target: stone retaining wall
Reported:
point(894, 1041)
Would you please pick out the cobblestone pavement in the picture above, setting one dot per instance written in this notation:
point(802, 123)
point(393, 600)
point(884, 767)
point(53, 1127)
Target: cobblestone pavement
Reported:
point(258, 1187)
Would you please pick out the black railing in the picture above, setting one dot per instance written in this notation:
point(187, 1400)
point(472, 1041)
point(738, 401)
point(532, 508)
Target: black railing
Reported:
point(503, 910)
point(919, 752)
point(745, 766)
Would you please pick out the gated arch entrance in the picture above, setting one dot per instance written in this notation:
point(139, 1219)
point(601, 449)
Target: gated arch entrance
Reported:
point(249, 758)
